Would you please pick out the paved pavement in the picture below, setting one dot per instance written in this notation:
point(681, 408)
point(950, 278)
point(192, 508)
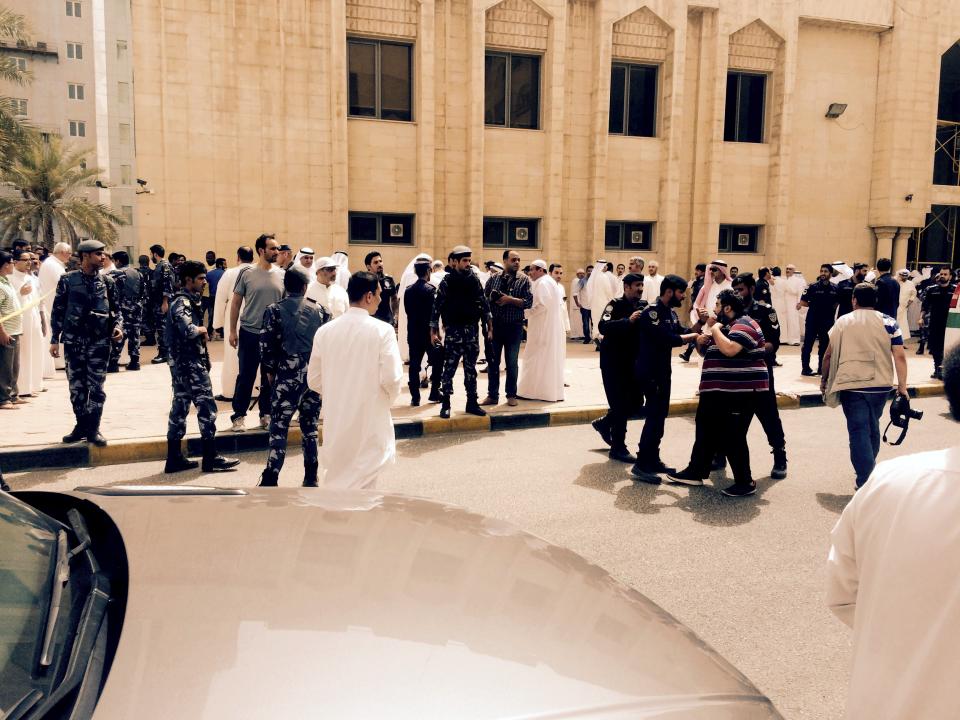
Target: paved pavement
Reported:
point(138, 403)
point(746, 574)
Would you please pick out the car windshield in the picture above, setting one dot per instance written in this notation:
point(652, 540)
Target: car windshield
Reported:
point(28, 548)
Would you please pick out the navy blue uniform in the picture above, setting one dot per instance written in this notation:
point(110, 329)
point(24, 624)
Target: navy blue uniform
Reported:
point(618, 366)
point(821, 298)
point(659, 333)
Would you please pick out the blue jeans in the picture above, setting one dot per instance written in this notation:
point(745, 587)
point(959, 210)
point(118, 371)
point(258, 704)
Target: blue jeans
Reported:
point(587, 321)
point(506, 340)
point(863, 411)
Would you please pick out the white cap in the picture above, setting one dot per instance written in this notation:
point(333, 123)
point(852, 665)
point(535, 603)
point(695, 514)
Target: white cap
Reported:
point(904, 272)
point(539, 263)
point(325, 262)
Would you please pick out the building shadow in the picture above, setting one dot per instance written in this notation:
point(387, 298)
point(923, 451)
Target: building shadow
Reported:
point(833, 503)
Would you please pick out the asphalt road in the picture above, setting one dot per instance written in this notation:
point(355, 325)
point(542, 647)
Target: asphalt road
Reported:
point(745, 574)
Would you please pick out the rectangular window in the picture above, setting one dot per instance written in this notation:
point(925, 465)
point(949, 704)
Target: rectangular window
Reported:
point(633, 100)
point(20, 64)
point(73, 9)
point(126, 175)
point(379, 79)
point(121, 49)
point(512, 90)
point(75, 91)
point(627, 235)
point(744, 114)
point(123, 93)
point(510, 232)
point(124, 133)
point(19, 106)
point(78, 128)
point(127, 212)
point(380, 229)
point(74, 51)
point(739, 238)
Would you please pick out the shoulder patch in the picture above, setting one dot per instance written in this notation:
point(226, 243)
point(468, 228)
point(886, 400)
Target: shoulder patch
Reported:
point(652, 314)
point(608, 312)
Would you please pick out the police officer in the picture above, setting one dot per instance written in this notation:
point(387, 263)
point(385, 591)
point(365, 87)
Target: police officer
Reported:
point(164, 286)
point(461, 304)
point(389, 298)
point(767, 411)
point(845, 289)
point(618, 356)
point(186, 341)
point(133, 294)
point(286, 341)
point(935, 310)
point(418, 303)
point(659, 333)
point(821, 299)
point(148, 323)
point(85, 318)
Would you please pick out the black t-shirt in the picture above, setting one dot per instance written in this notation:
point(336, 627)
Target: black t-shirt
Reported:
point(888, 295)
point(822, 301)
point(388, 290)
point(418, 304)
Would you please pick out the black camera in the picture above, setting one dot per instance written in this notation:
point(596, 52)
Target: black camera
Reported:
point(900, 416)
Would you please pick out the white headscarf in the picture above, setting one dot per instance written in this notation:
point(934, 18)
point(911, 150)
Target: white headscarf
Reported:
point(844, 272)
point(310, 271)
point(343, 272)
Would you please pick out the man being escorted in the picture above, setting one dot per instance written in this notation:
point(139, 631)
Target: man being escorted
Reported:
point(86, 318)
point(133, 296)
point(186, 340)
point(865, 347)
point(892, 575)
point(286, 341)
point(509, 295)
point(935, 309)
point(418, 306)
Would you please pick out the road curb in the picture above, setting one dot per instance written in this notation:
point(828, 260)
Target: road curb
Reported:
point(37, 457)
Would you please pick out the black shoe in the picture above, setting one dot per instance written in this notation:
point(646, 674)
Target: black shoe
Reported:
point(415, 402)
point(656, 467)
point(212, 462)
point(268, 478)
point(176, 462)
point(622, 454)
point(78, 433)
point(133, 365)
point(473, 408)
point(445, 408)
point(158, 360)
point(719, 463)
point(424, 384)
point(920, 349)
point(937, 374)
point(434, 396)
point(807, 372)
point(310, 475)
point(779, 471)
point(586, 341)
point(113, 368)
point(601, 427)
point(643, 476)
point(685, 356)
point(740, 489)
point(222, 398)
point(685, 477)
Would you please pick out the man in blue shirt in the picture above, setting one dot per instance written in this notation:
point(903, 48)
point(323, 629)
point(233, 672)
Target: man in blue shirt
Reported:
point(888, 289)
point(213, 279)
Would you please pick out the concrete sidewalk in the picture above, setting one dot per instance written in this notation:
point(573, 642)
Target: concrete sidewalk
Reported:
point(135, 415)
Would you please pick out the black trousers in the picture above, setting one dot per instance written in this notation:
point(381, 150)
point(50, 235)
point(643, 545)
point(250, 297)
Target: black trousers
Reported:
point(769, 415)
point(434, 353)
point(819, 332)
point(721, 426)
point(248, 352)
point(656, 396)
point(622, 393)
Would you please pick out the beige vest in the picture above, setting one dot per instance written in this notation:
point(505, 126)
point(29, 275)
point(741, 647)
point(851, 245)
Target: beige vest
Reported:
point(860, 355)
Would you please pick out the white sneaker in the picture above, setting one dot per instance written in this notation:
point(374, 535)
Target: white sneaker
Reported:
point(264, 422)
point(237, 425)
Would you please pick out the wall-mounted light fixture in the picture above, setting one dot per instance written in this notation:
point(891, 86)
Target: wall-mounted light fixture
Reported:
point(836, 110)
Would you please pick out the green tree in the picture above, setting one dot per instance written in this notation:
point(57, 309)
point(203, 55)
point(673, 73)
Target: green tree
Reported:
point(13, 131)
point(51, 179)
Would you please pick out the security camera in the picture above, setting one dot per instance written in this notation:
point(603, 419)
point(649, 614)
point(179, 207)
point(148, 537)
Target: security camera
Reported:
point(909, 198)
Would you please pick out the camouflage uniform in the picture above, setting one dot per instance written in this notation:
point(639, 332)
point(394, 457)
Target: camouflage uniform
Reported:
point(133, 295)
point(148, 325)
point(164, 287)
point(461, 305)
point(189, 367)
point(286, 341)
point(86, 311)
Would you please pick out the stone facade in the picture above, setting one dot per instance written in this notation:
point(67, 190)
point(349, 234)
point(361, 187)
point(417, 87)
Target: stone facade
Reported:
point(242, 126)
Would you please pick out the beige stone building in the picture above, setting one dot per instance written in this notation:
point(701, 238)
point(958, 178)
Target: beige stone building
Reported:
point(678, 130)
point(81, 89)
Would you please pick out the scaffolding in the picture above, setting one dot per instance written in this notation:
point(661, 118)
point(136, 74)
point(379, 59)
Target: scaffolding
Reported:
point(936, 242)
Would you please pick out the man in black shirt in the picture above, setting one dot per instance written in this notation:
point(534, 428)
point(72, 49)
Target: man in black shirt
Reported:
point(845, 289)
point(389, 298)
point(888, 289)
point(418, 304)
point(821, 299)
point(508, 294)
point(761, 293)
point(936, 308)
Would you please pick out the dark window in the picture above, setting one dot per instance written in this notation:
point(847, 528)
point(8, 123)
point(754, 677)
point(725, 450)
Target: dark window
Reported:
point(512, 90)
point(381, 229)
point(633, 100)
point(628, 235)
point(738, 238)
point(936, 241)
point(746, 97)
point(510, 232)
point(379, 79)
point(946, 154)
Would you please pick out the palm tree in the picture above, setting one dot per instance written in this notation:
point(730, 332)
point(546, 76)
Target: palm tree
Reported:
point(50, 179)
point(13, 130)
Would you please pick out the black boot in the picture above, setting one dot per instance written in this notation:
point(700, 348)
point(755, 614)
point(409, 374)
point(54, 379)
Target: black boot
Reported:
point(310, 475)
point(176, 462)
point(113, 367)
point(603, 428)
point(445, 407)
point(268, 478)
point(212, 462)
point(920, 348)
point(779, 471)
point(93, 429)
point(159, 359)
point(79, 431)
point(435, 396)
point(473, 407)
point(133, 365)
point(414, 394)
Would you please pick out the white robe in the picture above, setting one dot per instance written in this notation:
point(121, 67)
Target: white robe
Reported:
point(32, 345)
point(711, 299)
point(355, 366)
point(778, 296)
point(908, 297)
point(563, 310)
point(576, 321)
point(541, 371)
point(893, 575)
point(793, 288)
point(333, 298)
point(601, 289)
point(50, 271)
point(343, 271)
point(651, 288)
point(230, 366)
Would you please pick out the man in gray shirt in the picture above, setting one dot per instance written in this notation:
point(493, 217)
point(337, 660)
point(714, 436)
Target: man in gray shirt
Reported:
point(256, 288)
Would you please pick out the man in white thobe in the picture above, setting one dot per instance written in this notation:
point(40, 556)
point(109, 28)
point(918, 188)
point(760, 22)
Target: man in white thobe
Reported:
point(541, 373)
point(325, 291)
point(437, 271)
point(908, 296)
point(356, 369)
point(893, 575)
point(600, 290)
point(32, 345)
point(790, 323)
point(343, 269)
point(230, 367)
point(576, 319)
point(651, 284)
point(50, 271)
point(556, 272)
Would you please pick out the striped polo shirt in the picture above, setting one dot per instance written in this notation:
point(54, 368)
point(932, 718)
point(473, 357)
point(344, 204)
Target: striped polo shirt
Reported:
point(744, 372)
